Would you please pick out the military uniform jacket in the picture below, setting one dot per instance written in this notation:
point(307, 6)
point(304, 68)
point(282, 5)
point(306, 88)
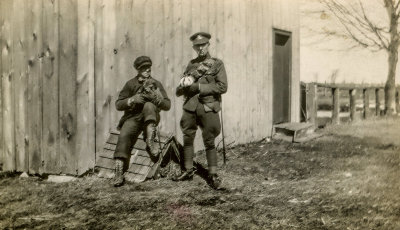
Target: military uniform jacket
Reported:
point(212, 84)
point(131, 88)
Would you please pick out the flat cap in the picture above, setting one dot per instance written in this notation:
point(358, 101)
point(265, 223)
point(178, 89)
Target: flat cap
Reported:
point(200, 38)
point(142, 61)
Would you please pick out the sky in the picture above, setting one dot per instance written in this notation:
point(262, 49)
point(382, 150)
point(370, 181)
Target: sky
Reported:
point(322, 57)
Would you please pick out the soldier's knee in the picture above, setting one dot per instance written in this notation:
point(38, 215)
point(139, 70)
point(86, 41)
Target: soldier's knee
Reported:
point(209, 144)
point(149, 106)
point(188, 138)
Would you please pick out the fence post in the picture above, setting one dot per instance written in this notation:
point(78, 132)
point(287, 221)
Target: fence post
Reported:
point(377, 102)
point(397, 100)
point(366, 103)
point(336, 106)
point(353, 108)
point(312, 105)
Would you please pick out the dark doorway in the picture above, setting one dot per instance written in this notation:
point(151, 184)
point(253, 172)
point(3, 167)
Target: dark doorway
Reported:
point(282, 60)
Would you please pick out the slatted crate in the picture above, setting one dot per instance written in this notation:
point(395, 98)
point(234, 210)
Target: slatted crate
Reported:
point(141, 166)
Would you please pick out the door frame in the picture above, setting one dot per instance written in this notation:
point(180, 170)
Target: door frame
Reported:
point(276, 31)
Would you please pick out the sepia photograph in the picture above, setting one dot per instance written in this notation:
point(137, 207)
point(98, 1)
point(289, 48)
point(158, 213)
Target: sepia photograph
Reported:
point(200, 114)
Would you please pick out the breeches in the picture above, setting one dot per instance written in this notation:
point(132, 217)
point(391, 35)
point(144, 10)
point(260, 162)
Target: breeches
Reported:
point(132, 128)
point(210, 126)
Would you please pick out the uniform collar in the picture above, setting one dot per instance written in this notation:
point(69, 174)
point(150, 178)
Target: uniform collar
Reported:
point(207, 56)
point(141, 79)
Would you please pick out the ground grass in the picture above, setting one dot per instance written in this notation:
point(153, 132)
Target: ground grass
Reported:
point(347, 179)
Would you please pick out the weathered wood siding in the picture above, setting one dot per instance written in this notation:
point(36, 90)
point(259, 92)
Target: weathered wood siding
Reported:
point(63, 63)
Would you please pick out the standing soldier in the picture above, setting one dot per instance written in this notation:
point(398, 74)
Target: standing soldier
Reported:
point(202, 84)
point(141, 99)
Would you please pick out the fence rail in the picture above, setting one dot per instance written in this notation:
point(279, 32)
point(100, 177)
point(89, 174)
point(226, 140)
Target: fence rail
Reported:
point(311, 97)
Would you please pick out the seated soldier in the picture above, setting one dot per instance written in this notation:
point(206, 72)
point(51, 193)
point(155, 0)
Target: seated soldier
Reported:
point(141, 99)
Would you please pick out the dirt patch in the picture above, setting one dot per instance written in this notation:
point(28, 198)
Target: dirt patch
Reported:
point(347, 179)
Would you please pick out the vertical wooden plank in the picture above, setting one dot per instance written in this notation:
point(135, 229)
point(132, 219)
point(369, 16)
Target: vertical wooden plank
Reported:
point(51, 138)
point(216, 17)
point(157, 40)
point(353, 93)
point(109, 70)
point(138, 19)
point(204, 17)
point(91, 74)
point(85, 146)
point(212, 24)
point(294, 21)
point(148, 27)
point(2, 5)
point(177, 62)
point(377, 102)
point(115, 58)
point(101, 134)
point(249, 63)
point(7, 86)
point(196, 14)
point(268, 50)
point(240, 41)
point(366, 103)
point(233, 22)
point(124, 51)
point(187, 21)
point(336, 106)
point(182, 45)
point(167, 74)
point(20, 86)
point(68, 33)
point(219, 14)
point(226, 54)
point(33, 28)
point(259, 94)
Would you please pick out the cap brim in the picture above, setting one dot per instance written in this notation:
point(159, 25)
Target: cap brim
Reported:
point(201, 41)
point(144, 64)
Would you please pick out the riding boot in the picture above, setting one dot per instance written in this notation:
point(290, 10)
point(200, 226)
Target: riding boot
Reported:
point(152, 146)
point(214, 181)
point(119, 172)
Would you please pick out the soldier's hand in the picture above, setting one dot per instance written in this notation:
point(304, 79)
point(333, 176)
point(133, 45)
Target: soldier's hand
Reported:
point(194, 88)
point(137, 99)
point(158, 97)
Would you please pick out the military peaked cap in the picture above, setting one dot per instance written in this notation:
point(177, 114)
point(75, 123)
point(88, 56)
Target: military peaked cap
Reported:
point(142, 61)
point(200, 38)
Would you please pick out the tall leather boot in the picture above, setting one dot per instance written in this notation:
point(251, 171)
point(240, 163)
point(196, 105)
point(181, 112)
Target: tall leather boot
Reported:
point(119, 172)
point(151, 145)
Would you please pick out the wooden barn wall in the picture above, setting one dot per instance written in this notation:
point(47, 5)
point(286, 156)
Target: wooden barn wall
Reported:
point(241, 37)
point(63, 63)
point(47, 86)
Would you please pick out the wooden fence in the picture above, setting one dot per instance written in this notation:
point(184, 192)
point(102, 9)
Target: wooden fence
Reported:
point(311, 96)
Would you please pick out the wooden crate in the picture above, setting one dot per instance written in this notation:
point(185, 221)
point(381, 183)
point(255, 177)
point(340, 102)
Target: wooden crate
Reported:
point(141, 166)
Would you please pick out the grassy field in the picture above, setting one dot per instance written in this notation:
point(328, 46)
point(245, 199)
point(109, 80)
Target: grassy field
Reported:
point(347, 179)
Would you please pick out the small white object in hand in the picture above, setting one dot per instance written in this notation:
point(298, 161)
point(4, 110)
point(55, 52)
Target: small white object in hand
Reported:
point(186, 81)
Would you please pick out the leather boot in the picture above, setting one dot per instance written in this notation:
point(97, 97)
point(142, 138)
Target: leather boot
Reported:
point(214, 181)
point(152, 146)
point(185, 175)
point(119, 173)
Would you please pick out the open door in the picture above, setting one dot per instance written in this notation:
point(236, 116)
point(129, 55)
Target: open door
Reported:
point(282, 61)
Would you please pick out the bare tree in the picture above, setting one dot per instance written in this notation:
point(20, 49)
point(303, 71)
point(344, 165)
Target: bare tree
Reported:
point(368, 32)
point(334, 75)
